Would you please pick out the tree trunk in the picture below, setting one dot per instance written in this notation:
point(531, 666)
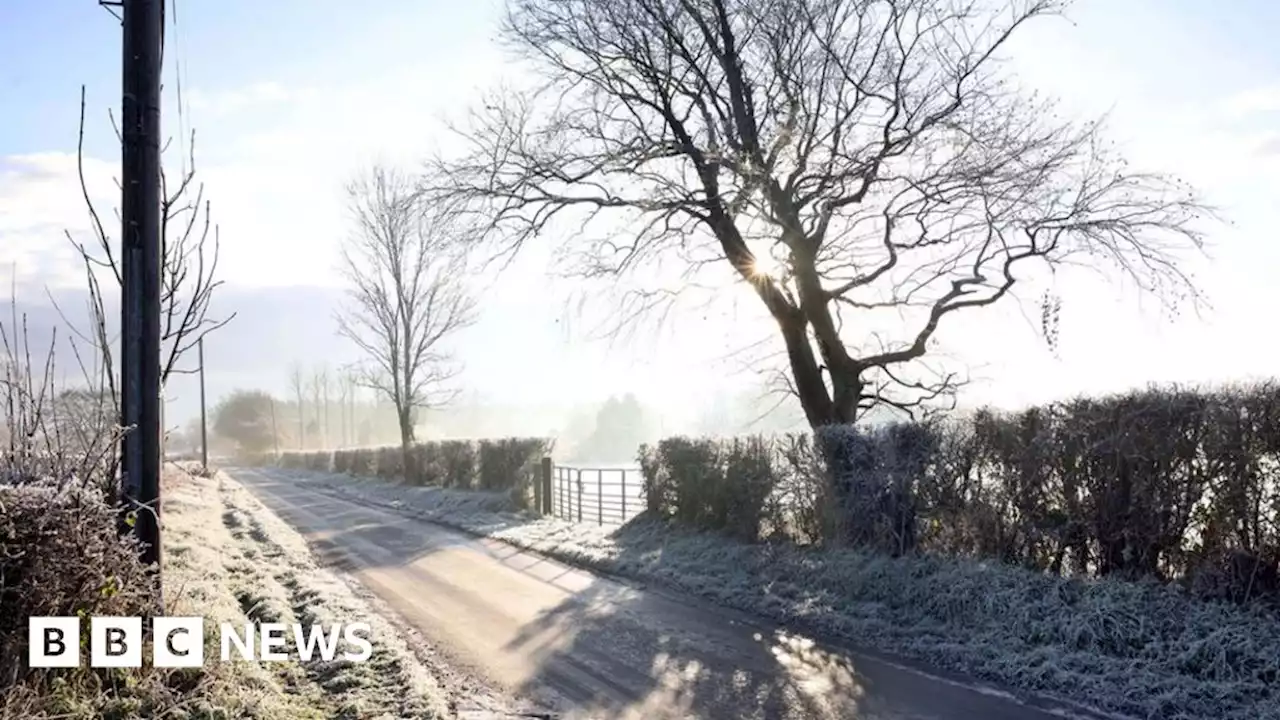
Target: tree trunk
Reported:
point(816, 400)
point(805, 372)
point(404, 415)
point(820, 410)
point(302, 425)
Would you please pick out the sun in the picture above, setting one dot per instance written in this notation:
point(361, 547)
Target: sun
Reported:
point(764, 266)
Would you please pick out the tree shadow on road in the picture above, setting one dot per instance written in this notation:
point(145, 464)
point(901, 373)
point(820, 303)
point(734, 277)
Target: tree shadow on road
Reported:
point(615, 652)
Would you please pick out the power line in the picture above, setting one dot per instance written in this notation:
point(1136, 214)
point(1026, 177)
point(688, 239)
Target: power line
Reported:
point(180, 80)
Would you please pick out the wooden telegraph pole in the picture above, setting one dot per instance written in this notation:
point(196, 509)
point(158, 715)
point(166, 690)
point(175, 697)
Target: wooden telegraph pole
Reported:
point(143, 22)
point(204, 418)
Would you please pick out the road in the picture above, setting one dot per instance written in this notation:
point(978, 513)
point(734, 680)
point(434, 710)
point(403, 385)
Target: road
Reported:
point(533, 626)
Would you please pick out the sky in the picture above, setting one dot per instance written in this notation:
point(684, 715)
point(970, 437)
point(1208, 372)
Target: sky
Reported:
point(289, 98)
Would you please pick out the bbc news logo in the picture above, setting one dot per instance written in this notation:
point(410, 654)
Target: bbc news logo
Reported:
point(177, 642)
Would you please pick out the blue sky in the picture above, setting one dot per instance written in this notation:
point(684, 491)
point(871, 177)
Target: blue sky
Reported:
point(289, 97)
point(51, 47)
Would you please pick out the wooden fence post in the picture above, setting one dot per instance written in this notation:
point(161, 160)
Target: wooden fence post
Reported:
point(624, 495)
point(544, 488)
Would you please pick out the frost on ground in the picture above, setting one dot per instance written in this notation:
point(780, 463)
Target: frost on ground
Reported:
point(229, 559)
point(1144, 650)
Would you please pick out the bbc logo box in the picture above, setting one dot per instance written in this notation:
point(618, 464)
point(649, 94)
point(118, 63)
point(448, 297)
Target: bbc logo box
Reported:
point(115, 642)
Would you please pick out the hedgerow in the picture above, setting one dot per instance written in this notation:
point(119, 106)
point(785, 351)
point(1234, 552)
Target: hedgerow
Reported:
point(1172, 484)
point(499, 464)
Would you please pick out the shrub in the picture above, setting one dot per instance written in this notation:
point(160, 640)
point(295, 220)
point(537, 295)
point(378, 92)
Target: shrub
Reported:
point(389, 462)
point(60, 554)
point(430, 468)
point(715, 485)
point(458, 460)
point(750, 464)
point(512, 465)
point(342, 461)
point(873, 475)
point(361, 461)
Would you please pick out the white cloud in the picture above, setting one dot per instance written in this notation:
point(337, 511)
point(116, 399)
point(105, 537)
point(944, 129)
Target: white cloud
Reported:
point(277, 186)
point(41, 201)
point(1265, 99)
point(225, 102)
point(1268, 146)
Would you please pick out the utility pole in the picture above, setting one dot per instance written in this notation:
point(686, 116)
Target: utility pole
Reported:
point(143, 23)
point(204, 420)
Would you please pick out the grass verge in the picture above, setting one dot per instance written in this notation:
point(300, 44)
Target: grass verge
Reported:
point(231, 561)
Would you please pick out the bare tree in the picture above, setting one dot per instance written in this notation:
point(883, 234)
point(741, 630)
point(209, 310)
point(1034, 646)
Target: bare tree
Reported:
point(346, 385)
point(49, 433)
point(351, 379)
point(188, 281)
point(297, 383)
point(407, 298)
point(188, 273)
point(316, 386)
point(326, 384)
point(866, 167)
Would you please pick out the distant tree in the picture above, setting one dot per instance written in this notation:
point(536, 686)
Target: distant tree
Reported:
point(621, 425)
point(868, 169)
point(244, 417)
point(344, 400)
point(326, 384)
point(578, 427)
point(298, 384)
point(191, 433)
point(83, 420)
point(760, 409)
point(406, 295)
point(316, 426)
point(351, 389)
point(717, 417)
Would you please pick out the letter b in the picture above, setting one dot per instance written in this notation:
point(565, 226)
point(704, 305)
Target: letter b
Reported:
point(115, 642)
point(53, 642)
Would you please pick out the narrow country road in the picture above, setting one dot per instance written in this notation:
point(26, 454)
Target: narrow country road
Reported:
point(607, 650)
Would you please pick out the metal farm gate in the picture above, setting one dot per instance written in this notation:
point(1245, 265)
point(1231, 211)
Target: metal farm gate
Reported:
point(597, 495)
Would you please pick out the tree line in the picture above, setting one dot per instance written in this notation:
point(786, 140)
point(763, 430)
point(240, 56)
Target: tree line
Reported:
point(331, 411)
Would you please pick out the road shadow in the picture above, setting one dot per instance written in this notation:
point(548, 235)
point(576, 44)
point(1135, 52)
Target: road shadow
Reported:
point(616, 652)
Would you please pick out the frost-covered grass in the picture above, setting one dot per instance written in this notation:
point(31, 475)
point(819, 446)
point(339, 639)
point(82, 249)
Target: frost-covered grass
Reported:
point(1144, 650)
point(230, 559)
